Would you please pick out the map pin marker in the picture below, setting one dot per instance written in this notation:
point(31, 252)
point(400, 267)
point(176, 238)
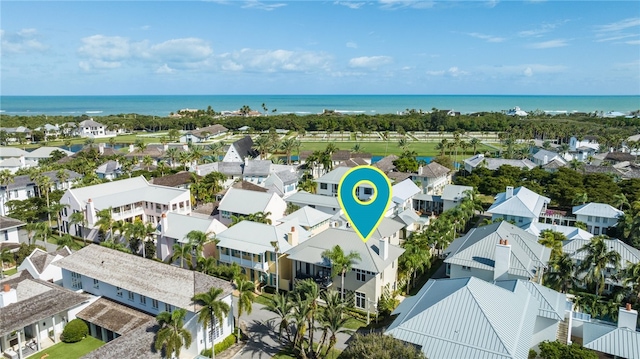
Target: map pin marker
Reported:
point(364, 215)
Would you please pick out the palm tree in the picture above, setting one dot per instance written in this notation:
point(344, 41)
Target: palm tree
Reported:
point(172, 335)
point(416, 258)
point(553, 240)
point(282, 306)
point(340, 263)
point(184, 158)
point(474, 142)
point(403, 144)
point(172, 154)
point(197, 240)
point(619, 200)
point(182, 253)
point(310, 293)
point(62, 176)
point(43, 230)
point(332, 318)
point(57, 208)
point(245, 297)
point(31, 228)
point(287, 146)
point(580, 198)
point(105, 220)
point(631, 277)
point(262, 144)
point(115, 245)
point(598, 257)
point(67, 240)
point(78, 218)
point(147, 161)
point(212, 309)
point(561, 275)
point(216, 148)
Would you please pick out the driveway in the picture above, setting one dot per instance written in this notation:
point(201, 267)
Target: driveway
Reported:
point(262, 330)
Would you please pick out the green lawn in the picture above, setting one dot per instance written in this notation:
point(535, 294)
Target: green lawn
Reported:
point(11, 271)
point(70, 350)
point(288, 354)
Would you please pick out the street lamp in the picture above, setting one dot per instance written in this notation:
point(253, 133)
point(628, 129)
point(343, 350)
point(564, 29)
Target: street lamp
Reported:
point(276, 248)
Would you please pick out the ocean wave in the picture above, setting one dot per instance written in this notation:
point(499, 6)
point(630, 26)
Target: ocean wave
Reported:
point(94, 111)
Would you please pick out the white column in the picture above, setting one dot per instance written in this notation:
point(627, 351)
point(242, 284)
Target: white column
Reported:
point(19, 344)
point(39, 346)
point(53, 320)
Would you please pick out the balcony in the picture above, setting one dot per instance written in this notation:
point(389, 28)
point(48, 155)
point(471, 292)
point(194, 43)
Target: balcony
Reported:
point(261, 266)
point(322, 278)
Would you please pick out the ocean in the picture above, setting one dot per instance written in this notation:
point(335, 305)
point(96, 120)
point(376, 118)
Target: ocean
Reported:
point(308, 104)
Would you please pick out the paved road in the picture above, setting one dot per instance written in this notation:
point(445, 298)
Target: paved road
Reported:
point(262, 329)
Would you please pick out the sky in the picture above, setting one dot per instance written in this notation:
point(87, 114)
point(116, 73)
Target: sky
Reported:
point(320, 47)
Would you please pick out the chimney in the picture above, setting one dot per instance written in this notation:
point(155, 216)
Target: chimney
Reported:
point(383, 249)
point(165, 147)
point(627, 317)
point(131, 147)
point(502, 260)
point(246, 161)
point(164, 224)
point(509, 192)
point(545, 160)
point(8, 296)
point(91, 213)
point(292, 237)
point(101, 148)
point(198, 171)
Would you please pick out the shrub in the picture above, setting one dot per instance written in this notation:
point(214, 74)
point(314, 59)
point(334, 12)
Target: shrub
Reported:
point(220, 347)
point(74, 331)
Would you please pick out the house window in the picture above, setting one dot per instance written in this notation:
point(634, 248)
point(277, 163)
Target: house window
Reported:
point(361, 275)
point(174, 207)
point(360, 300)
point(605, 220)
point(596, 230)
point(167, 307)
point(589, 219)
point(323, 186)
point(158, 208)
point(466, 268)
point(143, 300)
point(131, 296)
point(597, 219)
point(154, 303)
point(119, 291)
point(96, 284)
point(76, 280)
point(216, 332)
point(368, 191)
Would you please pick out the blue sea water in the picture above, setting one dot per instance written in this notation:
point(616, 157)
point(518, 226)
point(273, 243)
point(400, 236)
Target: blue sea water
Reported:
point(306, 104)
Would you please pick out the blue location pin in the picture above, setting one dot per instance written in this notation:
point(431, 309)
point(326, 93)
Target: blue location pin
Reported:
point(364, 216)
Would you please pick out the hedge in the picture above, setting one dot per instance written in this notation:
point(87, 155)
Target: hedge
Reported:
point(74, 331)
point(220, 347)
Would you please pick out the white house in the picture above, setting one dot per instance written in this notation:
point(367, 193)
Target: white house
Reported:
point(109, 170)
point(311, 219)
point(42, 153)
point(91, 128)
point(542, 157)
point(129, 199)
point(284, 183)
point(38, 264)
point(493, 164)
point(327, 184)
point(256, 171)
point(495, 252)
point(432, 178)
point(145, 286)
point(471, 318)
point(376, 270)
point(174, 228)
point(402, 195)
point(452, 195)
point(322, 203)
point(570, 232)
point(9, 232)
point(239, 202)
point(621, 340)
point(240, 149)
point(520, 205)
point(597, 216)
point(16, 163)
point(23, 187)
point(587, 141)
point(203, 134)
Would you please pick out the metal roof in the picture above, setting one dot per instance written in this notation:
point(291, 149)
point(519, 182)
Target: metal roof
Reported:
point(454, 192)
point(311, 250)
point(307, 216)
point(156, 280)
point(495, 163)
point(314, 200)
point(45, 152)
point(433, 170)
point(12, 152)
point(467, 318)
point(256, 238)
point(597, 210)
point(621, 342)
point(334, 176)
point(536, 228)
point(627, 253)
point(246, 202)
point(179, 225)
point(477, 249)
point(551, 303)
point(404, 190)
point(523, 203)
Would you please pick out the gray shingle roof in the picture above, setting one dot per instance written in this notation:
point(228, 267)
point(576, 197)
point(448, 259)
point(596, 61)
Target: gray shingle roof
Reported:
point(433, 170)
point(24, 180)
point(244, 147)
point(495, 163)
point(386, 163)
point(462, 318)
point(621, 342)
point(164, 282)
point(177, 179)
point(477, 249)
point(287, 177)
point(257, 168)
point(114, 316)
point(6, 222)
point(211, 130)
point(137, 343)
point(311, 250)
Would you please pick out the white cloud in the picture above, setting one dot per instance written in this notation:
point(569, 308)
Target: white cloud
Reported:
point(370, 61)
point(619, 25)
point(105, 47)
point(165, 69)
point(633, 42)
point(549, 44)
point(543, 29)
point(397, 4)
point(488, 38)
point(274, 60)
point(435, 73)
point(352, 45)
point(145, 27)
point(453, 71)
point(528, 71)
point(350, 4)
point(182, 50)
point(254, 4)
point(23, 41)
point(619, 30)
point(491, 3)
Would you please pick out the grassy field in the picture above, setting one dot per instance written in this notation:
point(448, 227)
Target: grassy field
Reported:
point(11, 271)
point(70, 350)
point(381, 148)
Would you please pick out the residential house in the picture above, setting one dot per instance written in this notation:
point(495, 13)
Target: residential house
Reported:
point(18, 134)
point(23, 187)
point(256, 171)
point(587, 142)
point(432, 178)
point(386, 163)
point(376, 270)
point(174, 227)
point(251, 245)
point(10, 232)
point(102, 152)
point(239, 202)
point(520, 205)
point(570, 232)
point(341, 156)
point(240, 149)
point(618, 159)
point(322, 203)
point(109, 170)
point(628, 255)
point(283, 183)
point(91, 128)
point(353, 162)
point(203, 134)
point(33, 313)
point(145, 286)
point(129, 199)
point(598, 217)
point(543, 157)
point(38, 264)
point(412, 222)
point(618, 341)
point(311, 219)
point(471, 318)
point(181, 179)
point(42, 153)
point(402, 194)
point(493, 164)
point(12, 152)
point(495, 252)
point(50, 131)
point(327, 184)
point(452, 195)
